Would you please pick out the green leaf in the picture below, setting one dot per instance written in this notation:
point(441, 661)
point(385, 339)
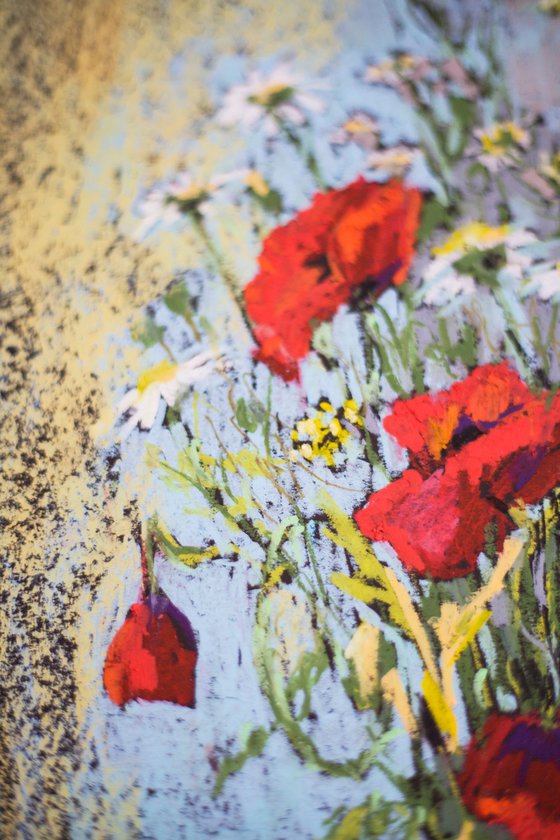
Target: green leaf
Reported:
point(232, 763)
point(172, 416)
point(477, 168)
point(310, 668)
point(434, 215)
point(147, 332)
point(271, 202)
point(448, 351)
point(464, 116)
point(249, 416)
point(188, 555)
point(177, 299)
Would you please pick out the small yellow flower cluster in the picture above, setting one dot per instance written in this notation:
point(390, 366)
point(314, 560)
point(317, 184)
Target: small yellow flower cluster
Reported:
point(324, 434)
point(502, 138)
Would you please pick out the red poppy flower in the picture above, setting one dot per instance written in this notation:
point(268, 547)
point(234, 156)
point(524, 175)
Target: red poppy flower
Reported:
point(511, 776)
point(364, 233)
point(153, 655)
point(438, 526)
point(478, 448)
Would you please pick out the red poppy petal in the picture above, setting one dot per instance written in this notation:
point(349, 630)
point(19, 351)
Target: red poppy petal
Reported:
point(517, 459)
point(373, 241)
point(438, 526)
point(426, 424)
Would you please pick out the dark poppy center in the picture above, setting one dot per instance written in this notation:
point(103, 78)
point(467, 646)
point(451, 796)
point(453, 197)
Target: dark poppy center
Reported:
point(320, 263)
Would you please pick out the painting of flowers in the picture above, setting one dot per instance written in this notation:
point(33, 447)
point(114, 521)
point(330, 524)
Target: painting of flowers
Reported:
point(281, 420)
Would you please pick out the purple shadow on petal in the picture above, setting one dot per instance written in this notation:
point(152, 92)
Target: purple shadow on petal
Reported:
point(161, 605)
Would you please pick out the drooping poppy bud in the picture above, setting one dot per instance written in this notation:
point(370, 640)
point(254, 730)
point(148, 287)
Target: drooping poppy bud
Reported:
point(153, 655)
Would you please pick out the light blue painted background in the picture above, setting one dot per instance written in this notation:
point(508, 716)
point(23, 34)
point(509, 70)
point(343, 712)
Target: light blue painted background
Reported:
point(159, 751)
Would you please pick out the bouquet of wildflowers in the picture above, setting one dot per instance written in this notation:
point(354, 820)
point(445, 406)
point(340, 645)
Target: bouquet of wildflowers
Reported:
point(368, 423)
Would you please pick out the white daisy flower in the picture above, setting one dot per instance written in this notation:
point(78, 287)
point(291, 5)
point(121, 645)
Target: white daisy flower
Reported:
point(545, 282)
point(177, 198)
point(500, 145)
point(165, 381)
point(277, 97)
point(468, 255)
point(445, 285)
point(359, 128)
point(394, 161)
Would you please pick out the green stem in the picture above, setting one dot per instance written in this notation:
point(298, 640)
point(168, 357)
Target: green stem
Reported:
point(369, 359)
point(223, 269)
point(147, 548)
point(311, 553)
point(270, 680)
point(511, 334)
point(167, 349)
point(266, 422)
point(308, 157)
point(188, 315)
point(499, 181)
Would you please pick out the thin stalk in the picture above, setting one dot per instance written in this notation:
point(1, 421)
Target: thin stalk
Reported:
point(166, 347)
point(311, 554)
point(266, 422)
point(149, 582)
point(223, 269)
point(188, 315)
point(308, 157)
point(511, 334)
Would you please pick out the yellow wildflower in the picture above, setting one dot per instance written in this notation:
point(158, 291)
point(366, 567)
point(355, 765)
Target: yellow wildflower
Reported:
point(324, 434)
point(307, 451)
point(350, 408)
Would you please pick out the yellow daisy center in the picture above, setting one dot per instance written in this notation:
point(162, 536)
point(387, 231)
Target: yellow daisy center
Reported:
point(162, 372)
point(475, 235)
point(503, 136)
